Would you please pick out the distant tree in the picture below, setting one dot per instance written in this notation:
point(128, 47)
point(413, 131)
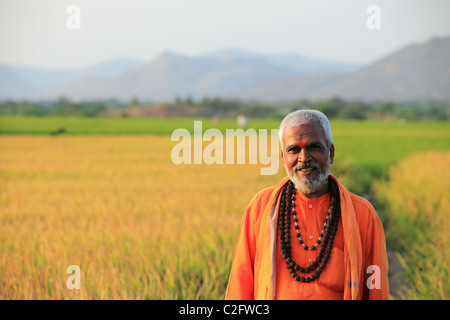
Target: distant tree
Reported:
point(331, 108)
point(353, 112)
point(134, 101)
point(178, 100)
point(300, 104)
point(62, 106)
point(189, 101)
point(386, 108)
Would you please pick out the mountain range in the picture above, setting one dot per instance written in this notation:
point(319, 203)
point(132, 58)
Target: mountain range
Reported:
point(418, 71)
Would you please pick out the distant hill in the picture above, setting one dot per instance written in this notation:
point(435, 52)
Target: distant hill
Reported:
point(171, 75)
point(12, 85)
point(294, 61)
point(24, 82)
point(286, 88)
point(416, 72)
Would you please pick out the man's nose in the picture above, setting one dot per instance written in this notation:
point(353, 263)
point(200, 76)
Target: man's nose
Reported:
point(304, 155)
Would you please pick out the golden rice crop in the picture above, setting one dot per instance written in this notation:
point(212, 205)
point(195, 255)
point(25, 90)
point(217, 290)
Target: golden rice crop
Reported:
point(141, 227)
point(138, 226)
point(417, 195)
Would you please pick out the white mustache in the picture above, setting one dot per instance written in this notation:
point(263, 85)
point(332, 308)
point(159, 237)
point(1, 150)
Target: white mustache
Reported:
point(300, 166)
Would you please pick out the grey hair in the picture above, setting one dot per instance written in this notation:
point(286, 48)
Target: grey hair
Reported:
point(299, 117)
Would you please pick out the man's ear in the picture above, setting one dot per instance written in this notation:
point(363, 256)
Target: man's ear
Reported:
point(282, 157)
point(332, 154)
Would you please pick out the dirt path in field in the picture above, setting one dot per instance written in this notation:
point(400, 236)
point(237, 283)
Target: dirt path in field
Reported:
point(398, 283)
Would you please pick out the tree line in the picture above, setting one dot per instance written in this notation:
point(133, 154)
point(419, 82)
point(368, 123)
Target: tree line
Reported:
point(335, 108)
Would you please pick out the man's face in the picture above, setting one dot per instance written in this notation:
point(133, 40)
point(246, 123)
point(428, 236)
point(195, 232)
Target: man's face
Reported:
point(307, 158)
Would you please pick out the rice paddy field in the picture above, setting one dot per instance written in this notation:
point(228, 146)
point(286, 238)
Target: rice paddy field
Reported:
point(106, 196)
point(418, 222)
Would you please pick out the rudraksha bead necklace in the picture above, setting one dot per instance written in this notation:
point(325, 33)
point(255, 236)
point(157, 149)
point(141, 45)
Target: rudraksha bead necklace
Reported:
point(326, 238)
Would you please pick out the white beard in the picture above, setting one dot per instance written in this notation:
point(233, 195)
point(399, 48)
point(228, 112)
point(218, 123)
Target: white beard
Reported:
point(309, 186)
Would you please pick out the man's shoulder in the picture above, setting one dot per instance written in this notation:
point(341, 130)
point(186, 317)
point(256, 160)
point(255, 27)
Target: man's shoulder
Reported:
point(361, 201)
point(263, 196)
point(363, 208)
point(259, 204)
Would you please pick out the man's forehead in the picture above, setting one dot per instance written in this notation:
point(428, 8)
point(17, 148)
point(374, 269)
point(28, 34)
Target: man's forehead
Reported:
point(304, 132)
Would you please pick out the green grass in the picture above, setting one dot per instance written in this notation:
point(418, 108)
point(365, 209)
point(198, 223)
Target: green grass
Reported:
point(78, 125)
point(364, 149)
point(418, 202)
point(365, 152)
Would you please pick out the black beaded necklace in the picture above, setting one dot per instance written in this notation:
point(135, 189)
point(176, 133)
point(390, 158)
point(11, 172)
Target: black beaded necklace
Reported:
point(325, 241)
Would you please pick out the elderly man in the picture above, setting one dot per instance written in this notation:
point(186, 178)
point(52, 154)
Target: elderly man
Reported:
point(308, 237)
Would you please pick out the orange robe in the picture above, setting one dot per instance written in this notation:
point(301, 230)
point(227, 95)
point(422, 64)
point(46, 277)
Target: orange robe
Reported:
point(357, 268)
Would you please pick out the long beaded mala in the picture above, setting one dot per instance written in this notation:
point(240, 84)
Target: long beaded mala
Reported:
point(326, 238)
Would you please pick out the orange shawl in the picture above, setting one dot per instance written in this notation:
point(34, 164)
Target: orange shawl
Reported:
point(253, 273)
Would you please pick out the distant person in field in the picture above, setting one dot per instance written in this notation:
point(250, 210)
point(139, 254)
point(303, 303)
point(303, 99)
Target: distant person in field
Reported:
point(308, 237)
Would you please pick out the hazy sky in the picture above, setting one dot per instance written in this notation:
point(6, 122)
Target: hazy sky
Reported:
point(34, 32)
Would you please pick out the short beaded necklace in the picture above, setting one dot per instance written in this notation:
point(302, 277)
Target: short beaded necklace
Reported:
point(326, 238)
